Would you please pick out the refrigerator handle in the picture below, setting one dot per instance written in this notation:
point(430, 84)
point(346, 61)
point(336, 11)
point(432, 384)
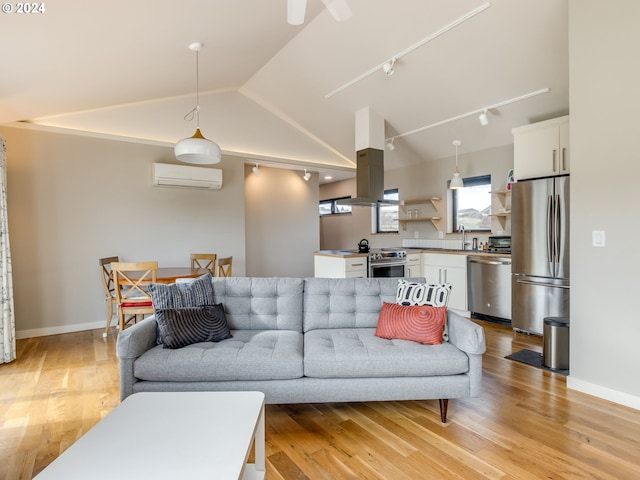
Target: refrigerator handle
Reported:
point(543, 284)
point(556, 236)
point(550, 232)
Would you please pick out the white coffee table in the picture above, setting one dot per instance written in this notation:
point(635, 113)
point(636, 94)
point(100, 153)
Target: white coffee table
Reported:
point(189, 435)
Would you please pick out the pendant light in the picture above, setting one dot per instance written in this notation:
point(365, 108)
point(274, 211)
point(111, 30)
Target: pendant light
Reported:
point(197, 149)
point(456, 181)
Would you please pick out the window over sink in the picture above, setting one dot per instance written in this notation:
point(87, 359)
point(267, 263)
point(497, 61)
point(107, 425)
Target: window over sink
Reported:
point(471, 205)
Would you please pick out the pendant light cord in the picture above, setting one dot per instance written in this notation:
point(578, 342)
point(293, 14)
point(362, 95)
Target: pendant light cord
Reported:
point(195, 112)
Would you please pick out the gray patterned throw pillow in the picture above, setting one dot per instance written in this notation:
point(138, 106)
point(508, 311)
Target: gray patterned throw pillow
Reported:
point(179, 327)
point(178, 295)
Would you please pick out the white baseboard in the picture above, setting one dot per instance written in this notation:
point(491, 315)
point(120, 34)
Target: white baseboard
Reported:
point(43, 332)
point(599, 391)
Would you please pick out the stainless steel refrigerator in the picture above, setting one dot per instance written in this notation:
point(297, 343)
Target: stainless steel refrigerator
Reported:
point(539, 252)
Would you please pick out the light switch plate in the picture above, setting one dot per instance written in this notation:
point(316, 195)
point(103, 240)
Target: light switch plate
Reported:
point(597, 238)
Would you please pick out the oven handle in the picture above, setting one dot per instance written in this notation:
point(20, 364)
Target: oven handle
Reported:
point(387, 264)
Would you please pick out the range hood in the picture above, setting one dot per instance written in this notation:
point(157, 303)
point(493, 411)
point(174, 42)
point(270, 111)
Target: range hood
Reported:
point(369, 180)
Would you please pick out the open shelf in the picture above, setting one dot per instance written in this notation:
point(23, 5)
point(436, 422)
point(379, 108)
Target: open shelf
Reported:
point(435, 201)
point(434, 220)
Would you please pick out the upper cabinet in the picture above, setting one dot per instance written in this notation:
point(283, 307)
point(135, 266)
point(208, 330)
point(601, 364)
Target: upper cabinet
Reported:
point(541, 149)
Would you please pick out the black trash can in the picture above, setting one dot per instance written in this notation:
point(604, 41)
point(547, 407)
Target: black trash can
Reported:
point(555, 349)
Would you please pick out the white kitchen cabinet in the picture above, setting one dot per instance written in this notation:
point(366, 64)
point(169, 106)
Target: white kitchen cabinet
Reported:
point(541, 149)
point(448, 268)
point(327, 266)
point(414, 265)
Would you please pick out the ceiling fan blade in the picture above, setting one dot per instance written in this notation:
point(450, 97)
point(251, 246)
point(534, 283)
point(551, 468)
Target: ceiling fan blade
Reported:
point(295, 11)
point(339, 9)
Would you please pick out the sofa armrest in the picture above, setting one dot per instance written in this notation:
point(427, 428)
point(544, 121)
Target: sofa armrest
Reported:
point(133, 342)
point(137, 339)
point(464, 334)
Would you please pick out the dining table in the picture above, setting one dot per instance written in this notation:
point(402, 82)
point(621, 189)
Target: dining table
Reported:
point(170, 274)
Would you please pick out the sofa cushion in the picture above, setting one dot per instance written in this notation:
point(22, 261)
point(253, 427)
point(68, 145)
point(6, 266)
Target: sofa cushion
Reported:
point(179, 327)
point(418, 323)
point(346, 302)
point(249, 355)
point(260, 303)
point(357, 352)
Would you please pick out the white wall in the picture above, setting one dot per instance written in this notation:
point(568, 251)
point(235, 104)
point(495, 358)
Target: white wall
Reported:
point(425, 180)
point(605, 170)
point(74, 199)
point(282, 226)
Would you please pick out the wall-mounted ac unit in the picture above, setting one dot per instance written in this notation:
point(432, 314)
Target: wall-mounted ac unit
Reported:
point(170, 175)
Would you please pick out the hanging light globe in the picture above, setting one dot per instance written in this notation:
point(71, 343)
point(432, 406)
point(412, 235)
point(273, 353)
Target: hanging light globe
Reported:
point(197, 149)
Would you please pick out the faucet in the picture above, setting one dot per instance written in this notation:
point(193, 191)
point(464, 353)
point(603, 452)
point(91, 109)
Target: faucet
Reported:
point(464, 237)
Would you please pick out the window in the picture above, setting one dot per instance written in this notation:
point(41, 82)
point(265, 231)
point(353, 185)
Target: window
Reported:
point(331, 207)
point(471, 205)
point(388, 214)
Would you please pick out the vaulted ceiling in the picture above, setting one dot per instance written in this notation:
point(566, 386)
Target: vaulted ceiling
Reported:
point(123, 68)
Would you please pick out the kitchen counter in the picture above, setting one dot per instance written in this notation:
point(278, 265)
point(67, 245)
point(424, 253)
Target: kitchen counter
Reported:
point(339, 253)
point(453, 251)
point(352, 254)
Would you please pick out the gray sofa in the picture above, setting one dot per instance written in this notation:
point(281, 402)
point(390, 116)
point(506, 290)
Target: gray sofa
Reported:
point(306, 341)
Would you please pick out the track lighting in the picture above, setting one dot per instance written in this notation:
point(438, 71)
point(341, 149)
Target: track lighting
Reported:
point(456, 181)
point(473, 112)
point(484, 120)
point(256, 169)
point(390, 144)
point(389, 64)
point(306, 175)
point(388, 67)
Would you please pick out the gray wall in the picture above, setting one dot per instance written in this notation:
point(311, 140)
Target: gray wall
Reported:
point(282, 227)
point(605, 170)
point(417, 181)
point(73, 199)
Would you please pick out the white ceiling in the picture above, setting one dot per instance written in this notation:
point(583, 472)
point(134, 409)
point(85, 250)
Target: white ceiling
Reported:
point(124, 68)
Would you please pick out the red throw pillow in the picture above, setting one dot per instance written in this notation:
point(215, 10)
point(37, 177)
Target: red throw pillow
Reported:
point(418, 323)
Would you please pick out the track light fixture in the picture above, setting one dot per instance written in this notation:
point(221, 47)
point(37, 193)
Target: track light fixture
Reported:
point(306, 175)
point(484, 120)
point(390, 144)
point(256, 169)
point(388, 67)
point(456, 181)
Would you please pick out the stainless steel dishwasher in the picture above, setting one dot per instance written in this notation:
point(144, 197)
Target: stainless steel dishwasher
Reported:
point(489, 287)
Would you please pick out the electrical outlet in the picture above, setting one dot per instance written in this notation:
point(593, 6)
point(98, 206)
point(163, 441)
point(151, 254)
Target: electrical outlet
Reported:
point(441, 235)
point(416, 234)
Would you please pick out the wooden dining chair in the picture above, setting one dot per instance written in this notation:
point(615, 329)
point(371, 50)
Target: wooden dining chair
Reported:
point(224, 267)
point(130, 280)
point(109, 289)
point(204, 260)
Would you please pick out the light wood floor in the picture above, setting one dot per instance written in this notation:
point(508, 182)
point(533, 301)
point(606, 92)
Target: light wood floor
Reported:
point(526, 424)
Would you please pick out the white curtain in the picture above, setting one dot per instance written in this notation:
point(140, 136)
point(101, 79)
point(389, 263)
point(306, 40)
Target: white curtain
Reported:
point(7, 320)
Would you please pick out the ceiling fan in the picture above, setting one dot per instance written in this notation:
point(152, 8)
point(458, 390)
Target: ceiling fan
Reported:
point(296, 8)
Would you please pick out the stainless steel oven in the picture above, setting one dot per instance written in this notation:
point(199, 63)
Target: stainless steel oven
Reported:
point(387, 262)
